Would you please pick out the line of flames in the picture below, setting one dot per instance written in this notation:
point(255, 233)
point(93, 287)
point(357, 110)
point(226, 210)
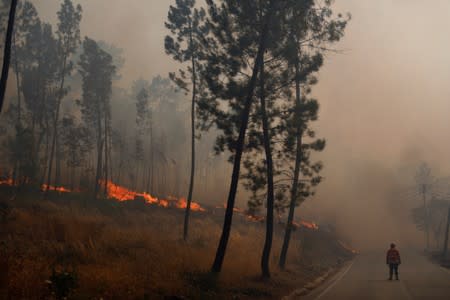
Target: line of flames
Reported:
point(44, 187)
point(256, 218)
point(121, 193)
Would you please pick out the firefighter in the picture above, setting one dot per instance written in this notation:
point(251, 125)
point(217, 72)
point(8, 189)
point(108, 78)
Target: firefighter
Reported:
point(393, 260)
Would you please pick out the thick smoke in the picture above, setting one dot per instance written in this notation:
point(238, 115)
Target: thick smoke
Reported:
point(384, 98)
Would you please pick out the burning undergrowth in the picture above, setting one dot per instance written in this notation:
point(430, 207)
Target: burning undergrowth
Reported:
point(123, 194)
point(136, 249)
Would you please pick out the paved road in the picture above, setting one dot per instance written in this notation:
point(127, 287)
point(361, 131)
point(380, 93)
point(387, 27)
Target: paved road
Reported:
point(366, 278)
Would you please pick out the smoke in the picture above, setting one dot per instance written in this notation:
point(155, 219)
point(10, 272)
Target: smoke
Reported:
point(384, 102)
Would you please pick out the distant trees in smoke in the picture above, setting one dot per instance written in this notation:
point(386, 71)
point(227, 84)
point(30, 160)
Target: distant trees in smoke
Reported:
point(431, 216)
point(69, 124)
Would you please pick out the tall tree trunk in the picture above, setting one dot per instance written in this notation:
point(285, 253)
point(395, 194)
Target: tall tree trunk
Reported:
point(100, 141)
point(55, 126)
point(221, 249)
point(106, 157)
point(191, 183)
point(17, 72)
point(265, 259)
point(19, 108)
point(58, 162)
point(152, 159)
point(7, 52)
point(298, 159)
point(149, 166)
point(47, 147)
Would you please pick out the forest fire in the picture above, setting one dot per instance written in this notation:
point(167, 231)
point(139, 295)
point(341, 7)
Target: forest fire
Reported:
point(121, 193)
point(44, 187)
point(261, 219)
point(7, 181)
point(59, 189)
point(309, 225)
point(182, 203)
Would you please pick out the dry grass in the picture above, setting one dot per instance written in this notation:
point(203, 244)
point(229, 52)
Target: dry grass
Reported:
point(133, 253)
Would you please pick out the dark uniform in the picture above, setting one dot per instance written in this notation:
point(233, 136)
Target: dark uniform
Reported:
point(393, 260)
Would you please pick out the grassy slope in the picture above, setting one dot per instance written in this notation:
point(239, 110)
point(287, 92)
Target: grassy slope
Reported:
point(129, 251)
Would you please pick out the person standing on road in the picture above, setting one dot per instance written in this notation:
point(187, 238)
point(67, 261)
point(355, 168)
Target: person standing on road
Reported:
point(393, 260)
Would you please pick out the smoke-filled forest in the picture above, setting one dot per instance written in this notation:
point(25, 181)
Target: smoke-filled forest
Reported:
point(220, 149)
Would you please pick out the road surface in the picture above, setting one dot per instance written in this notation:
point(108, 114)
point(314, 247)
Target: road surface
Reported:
point(366, 279)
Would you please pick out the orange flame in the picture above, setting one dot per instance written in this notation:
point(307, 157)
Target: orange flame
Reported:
point(121, 193)
point(309, 225)
point(7, 181)
point(235, 209)
point(255, 218)
point(59, 189)
point(182, 203)
point(44, 187)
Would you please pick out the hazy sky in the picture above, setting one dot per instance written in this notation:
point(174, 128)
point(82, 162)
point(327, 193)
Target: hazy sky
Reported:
point(385, 100)
point(385, 95)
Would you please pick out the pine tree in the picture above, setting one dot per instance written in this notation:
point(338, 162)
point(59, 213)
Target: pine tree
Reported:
point(26, 19)
point(309, 27)
point(237, 44)
point(38, 87)
point(97, 70)
point(188, 30)
point(68, 40)
point(143, 123)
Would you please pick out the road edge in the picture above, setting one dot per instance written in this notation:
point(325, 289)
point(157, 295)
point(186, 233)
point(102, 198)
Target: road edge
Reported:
point(327, 281)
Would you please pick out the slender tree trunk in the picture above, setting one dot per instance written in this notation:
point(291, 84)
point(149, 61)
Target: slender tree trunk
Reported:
point(47, 147)
point(55, 126)
point(7, 52)
point(19, 108)
point(152, 162)
point(298, 159)
point(221, 249)
point(99, 156)
point(19, 94)
point(265, 259)
point(447, 229)
point(147, 186)
point(191, 183)
point(58, 162)
point(106, 157)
